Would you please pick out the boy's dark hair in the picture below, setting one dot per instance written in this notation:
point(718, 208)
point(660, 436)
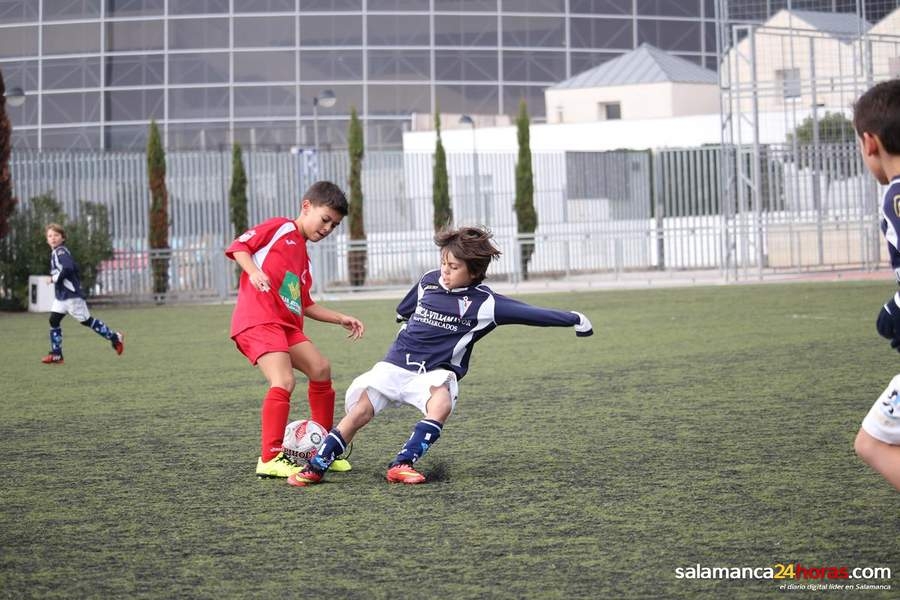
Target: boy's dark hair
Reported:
point(472, 245)
point(57, 228)
point(877, 112)
point(325, 193)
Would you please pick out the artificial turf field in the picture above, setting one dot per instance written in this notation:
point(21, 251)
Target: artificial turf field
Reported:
point(707, 426)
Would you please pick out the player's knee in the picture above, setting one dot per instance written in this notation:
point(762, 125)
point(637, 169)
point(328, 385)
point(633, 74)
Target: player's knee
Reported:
point(439, 406)
point(88, 322)
point(285, 382)
point(55, 319)
point(320, 370)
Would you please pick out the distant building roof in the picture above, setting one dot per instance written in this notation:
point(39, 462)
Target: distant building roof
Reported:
point(644, 64)
point(889, 25)
point(840, 25)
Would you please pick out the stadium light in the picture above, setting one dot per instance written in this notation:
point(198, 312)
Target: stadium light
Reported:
point(15, 96)
point(326, 99)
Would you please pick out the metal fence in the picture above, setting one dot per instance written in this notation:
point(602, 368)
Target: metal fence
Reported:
point(597, 212)
point(788, 66)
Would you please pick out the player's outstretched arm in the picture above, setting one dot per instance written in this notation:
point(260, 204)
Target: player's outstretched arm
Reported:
point(326, 315)
point(514, 312)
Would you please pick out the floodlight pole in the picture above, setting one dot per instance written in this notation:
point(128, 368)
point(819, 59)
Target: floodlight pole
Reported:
point(327, 99)
point(476, 179)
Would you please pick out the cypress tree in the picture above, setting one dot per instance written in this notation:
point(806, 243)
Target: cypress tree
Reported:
point(440, 191)
point(237, 195)
point(356, 255)
point(7, 201)
point(159, 214)
point(526, 217)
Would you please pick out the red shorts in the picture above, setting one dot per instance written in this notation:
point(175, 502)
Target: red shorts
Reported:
point(253, 342)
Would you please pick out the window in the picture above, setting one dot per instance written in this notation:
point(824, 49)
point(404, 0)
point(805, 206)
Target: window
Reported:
point(71, 38)
point(331, 65)
point(264, 66)
point(134, 8)
point(465, 65)
point(250, 32)
point(609, 111)
point(65, 73)
point(138, 69)
point(331, 30)
point(71, 107)
point(198, 68)
point(268, 101)
point(788, 81)
point(398, 30)
point(198, 33)
point(134, 105)
point(134, 35)
point(399, 65)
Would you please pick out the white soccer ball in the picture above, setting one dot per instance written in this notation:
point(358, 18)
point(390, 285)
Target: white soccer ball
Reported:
point(301, 440)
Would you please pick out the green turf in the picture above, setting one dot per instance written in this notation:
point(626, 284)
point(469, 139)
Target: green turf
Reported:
point(709, 426)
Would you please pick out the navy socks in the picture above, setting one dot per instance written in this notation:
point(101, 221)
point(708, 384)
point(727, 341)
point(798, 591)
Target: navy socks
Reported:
point(425, 433)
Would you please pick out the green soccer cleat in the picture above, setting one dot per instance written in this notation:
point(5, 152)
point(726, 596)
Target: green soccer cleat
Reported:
point(341, 465)
point(279, 466)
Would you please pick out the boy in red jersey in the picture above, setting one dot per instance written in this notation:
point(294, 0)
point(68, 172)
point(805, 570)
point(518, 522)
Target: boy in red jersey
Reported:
point(267, 323)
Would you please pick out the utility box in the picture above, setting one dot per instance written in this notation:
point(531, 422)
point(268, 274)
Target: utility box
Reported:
point(40, 293)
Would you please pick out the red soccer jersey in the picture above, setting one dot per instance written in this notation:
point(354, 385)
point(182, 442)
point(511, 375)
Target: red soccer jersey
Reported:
point(279, 249)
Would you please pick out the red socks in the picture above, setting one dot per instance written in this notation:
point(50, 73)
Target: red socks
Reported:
point(321, 403)
point(276, 407)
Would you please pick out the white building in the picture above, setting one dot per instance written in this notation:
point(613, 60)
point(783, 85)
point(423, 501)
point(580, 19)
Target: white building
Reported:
point(645, 83)
point(797, 59)
point(884, 41)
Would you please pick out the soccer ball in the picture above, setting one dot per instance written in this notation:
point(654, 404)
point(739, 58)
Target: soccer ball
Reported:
point(301, 440)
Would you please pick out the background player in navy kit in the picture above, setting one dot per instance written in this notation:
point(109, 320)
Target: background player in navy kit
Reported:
point(876, 117)
point(446, 312)
point(69, 298)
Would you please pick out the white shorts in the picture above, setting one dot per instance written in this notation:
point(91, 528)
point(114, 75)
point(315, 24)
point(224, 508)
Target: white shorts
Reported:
point(883, 420)
point(76, 307)
point(389, 384)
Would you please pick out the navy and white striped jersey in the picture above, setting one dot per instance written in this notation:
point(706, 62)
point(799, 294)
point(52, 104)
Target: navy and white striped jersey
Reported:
point(890, 223)
point(444, 324)
point(64, 273)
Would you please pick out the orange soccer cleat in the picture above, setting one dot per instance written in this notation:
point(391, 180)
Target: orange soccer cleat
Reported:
point(308, 476)
point(118, 342)
point(403, 473)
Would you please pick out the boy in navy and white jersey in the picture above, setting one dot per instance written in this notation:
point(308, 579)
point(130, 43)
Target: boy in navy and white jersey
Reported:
point(876, 117)
point(444, 315)
point(69, 298)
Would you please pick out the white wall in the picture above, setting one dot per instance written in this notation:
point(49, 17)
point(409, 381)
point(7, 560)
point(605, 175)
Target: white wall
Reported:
point(638, 101)
point(639, 134)
point(695, 99)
